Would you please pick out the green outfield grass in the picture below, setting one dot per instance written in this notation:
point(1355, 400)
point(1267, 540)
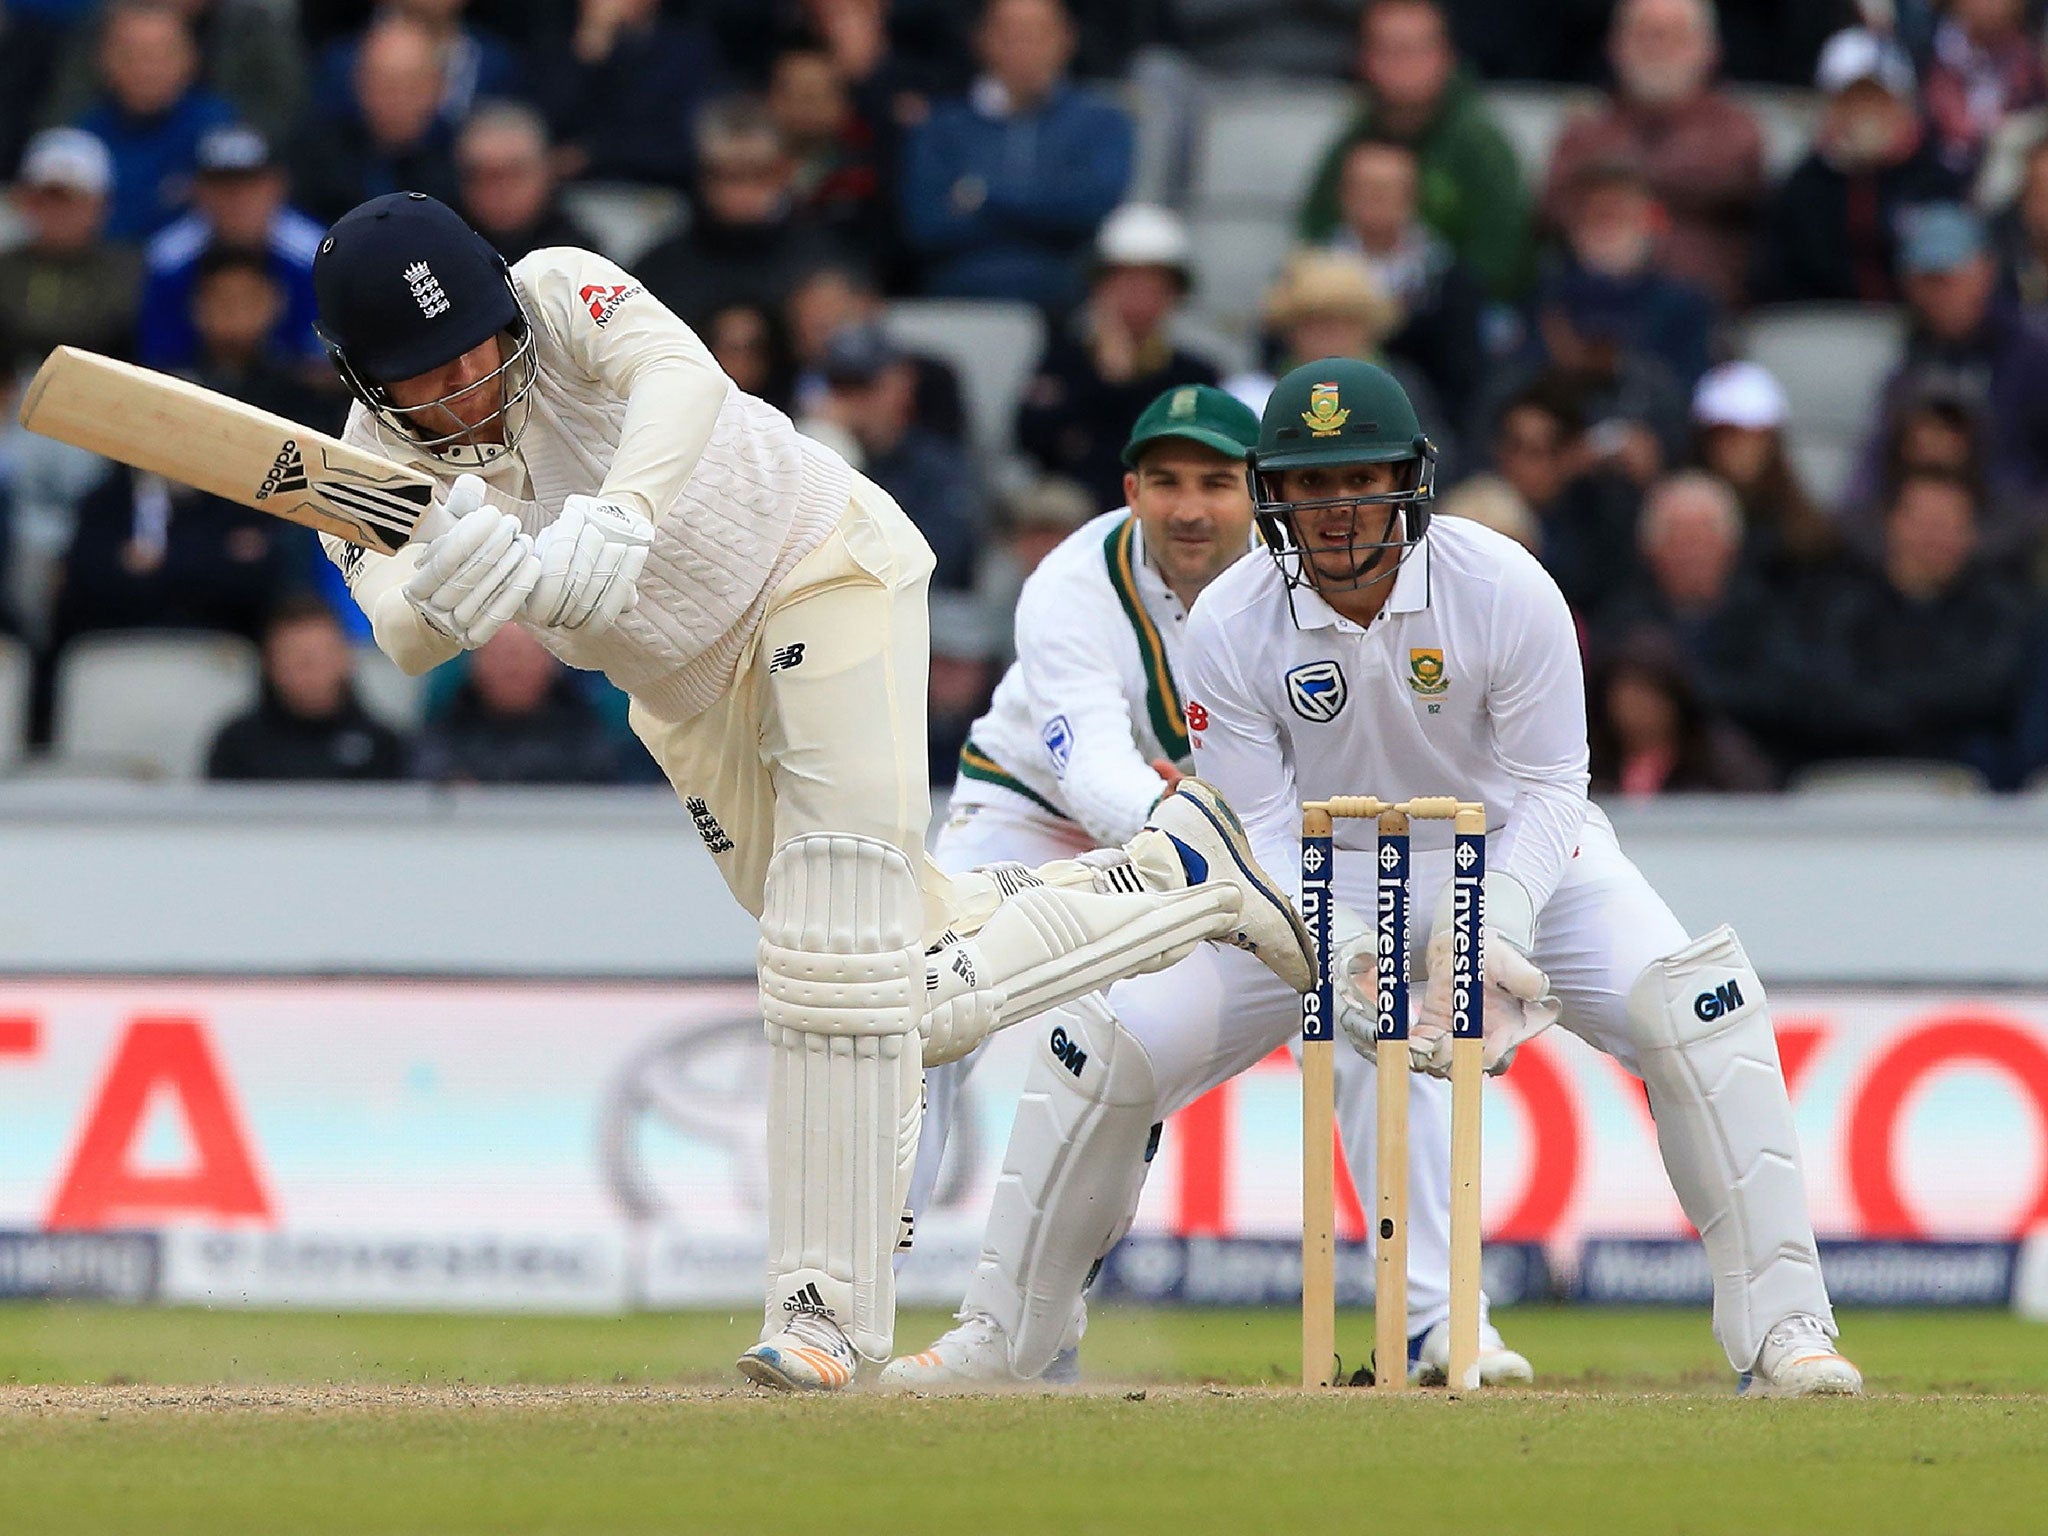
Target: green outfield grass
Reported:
point(174, 1421)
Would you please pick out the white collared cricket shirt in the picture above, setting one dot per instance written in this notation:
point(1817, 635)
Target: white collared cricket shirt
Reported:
point(1468, 683)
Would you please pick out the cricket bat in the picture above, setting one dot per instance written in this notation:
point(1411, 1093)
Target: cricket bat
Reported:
point(219, 445)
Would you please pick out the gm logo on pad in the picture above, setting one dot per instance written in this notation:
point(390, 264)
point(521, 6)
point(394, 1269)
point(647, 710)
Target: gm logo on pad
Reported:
point(1316, 690)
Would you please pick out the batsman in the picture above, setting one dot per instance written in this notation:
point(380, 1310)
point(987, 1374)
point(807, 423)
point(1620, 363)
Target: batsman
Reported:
point(605, 485)
point(1379, 651)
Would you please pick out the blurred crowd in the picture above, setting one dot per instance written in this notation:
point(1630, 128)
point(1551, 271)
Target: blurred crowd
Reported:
point(1570, 339)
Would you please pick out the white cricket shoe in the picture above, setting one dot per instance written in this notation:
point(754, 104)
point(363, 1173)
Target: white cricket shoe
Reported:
point(1212, 847)
point(809, 1355)
point(975, 1352)
point(1799, 1360)
point(1499, 1366)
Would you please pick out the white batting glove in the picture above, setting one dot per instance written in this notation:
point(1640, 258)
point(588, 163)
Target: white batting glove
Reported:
point(1356, 980)
point(1516, 1003)
point(590, 562)
point(477, 572)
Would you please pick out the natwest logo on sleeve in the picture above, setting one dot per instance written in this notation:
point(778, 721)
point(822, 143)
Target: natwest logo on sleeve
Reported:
point(604, 299)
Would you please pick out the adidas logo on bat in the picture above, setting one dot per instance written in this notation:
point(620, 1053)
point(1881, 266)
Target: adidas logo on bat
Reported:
point(287, 471)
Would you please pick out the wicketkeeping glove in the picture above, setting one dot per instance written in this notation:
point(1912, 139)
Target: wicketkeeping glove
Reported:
point(1517, 1001)
point(590, 562)
point(477, 572)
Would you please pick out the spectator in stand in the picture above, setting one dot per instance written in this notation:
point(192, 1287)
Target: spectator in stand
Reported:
point(1923, 655)
point(623, 90)
point(1442, 303)
point(749, 343)
point(1738, 417)
point(1115, 356)
point(1585, 349)
point(1030, 523)
point(393, 138)
point(873, 390)
point(508, 182)
point(67, 284)
point(1967, 342)
point(1613, 228)
point(29, 47)
point(151, 115)
point(235, 301)
point(2020, 234)
point(837, 295)
point(1491, 502)
point(1330, 305)
point(1651, 733)
point(748, 244)
point(1830, 229)
point(1700, 152)
point(1003, 188)
point(308, 725)
point(1986, 67)
point(2029, 757)
point(249, 53)
point(475, 65)
point(1585, 509)
point(519, 717)
point(238, 200)
point(1741, 641)
point(840, 178)
point(1472, 192)
point(1934, 429)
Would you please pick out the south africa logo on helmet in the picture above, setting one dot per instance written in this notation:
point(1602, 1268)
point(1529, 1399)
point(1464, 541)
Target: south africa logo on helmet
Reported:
point(1325, 416)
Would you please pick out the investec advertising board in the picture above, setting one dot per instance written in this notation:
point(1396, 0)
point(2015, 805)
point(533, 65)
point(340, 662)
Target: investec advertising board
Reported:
point(569, 1145)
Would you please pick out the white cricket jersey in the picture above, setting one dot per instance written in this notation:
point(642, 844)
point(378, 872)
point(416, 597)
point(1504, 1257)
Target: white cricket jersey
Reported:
point(1091, 699)
point(1468, 683)
point(628, 405)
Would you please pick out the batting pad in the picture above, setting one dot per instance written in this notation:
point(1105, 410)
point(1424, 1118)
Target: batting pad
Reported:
point(1724, 1124)
point(842, 988)
point(1070, 1181)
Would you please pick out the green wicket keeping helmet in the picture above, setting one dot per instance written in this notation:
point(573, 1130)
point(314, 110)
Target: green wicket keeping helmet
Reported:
point(1331, 413)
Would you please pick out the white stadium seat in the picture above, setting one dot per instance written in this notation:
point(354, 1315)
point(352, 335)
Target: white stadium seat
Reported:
point(1257, 148)
point(994, 345)
point(626, 221)
point(14, 674)
point(147, 703)
point(1889, 776)
point(1787, 116)
point(1833, 360)
point(1532, 117)
point(1236, 257)
point(397, 700)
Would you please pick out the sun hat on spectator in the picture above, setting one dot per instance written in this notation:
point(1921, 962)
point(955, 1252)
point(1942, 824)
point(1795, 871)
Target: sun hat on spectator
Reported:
point(1144, 235)
point(234, 149)
point(1855, 55)
point(1330, 283)
point(69, 158)
point(1053, 502)
point(1740, 394)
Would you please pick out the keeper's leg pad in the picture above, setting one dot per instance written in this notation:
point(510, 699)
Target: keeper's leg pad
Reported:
point(1071, 1175)
point(842, 991)
point(1049, 944)
point(1709, 1059)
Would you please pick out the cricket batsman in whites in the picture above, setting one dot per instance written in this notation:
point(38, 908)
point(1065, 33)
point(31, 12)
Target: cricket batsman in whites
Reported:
point(1081, 740)
point(607, 486)
point(1381, 652)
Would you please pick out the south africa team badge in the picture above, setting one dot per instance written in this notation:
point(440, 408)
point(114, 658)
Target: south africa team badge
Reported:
point(1325, 416)
point(1426, 672)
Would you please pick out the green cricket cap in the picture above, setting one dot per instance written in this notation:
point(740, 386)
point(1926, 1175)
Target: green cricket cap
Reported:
point(1201, 413)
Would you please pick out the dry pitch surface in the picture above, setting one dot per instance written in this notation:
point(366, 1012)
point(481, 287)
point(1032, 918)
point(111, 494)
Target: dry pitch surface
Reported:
point(164, 1422)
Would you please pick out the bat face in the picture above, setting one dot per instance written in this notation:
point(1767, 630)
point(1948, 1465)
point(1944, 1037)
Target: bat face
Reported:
point(176, 429)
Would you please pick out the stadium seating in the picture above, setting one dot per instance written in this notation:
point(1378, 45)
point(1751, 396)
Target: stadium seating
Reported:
point(1889, 777)
point(1787, 117)
point(397, 700)
point(625, 220)
point(993, 344)
point(1532, 116)
point(14, 673)
point(1832, 359)
point(147, 703)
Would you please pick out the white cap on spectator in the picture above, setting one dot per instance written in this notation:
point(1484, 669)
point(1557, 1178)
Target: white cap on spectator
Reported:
point(1858, 54)
point(1143, 235)
point(70, 158)
point(1739, 395)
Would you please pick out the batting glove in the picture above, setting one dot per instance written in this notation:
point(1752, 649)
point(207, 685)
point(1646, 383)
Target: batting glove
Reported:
point(590, 562)
point(476, 573)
